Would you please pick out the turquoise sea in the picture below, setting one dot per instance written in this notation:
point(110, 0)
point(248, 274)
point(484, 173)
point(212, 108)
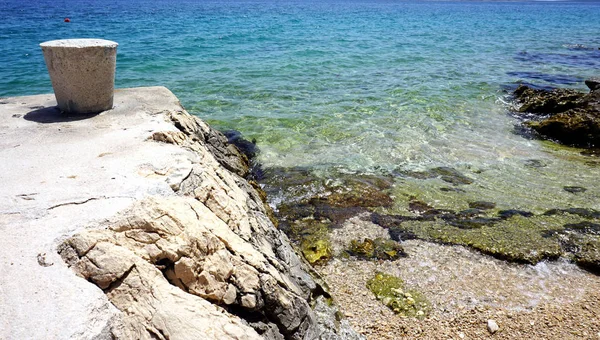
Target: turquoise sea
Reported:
point(355, 86)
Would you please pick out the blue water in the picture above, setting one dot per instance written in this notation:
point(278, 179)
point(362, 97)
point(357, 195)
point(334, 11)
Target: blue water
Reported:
point(351, 85)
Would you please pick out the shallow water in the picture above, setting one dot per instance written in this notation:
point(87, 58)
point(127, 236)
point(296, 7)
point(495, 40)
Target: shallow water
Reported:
point(370, 86)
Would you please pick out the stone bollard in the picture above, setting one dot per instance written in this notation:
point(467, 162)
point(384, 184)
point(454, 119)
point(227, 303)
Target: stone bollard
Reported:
point(82, 72)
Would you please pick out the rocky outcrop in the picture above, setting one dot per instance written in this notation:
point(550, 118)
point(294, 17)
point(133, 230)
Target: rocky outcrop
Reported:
point(206, 262)
point(310, 205)
point(563, 115)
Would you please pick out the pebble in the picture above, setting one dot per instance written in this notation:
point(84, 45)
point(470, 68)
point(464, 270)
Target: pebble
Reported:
point(492, 326)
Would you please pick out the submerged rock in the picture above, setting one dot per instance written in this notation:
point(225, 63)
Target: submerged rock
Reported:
point(378, 248)
point(535, 163)
point(585, 227)
point(419, 207)
point(446, 174)
point(316, 249)
point(310, 205)
point(582, 212)
point(482, 205)
point(512, 235)
point(574, 190)
point(504, 214)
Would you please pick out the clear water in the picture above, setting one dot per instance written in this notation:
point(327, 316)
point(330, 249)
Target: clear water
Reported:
point(353, 85)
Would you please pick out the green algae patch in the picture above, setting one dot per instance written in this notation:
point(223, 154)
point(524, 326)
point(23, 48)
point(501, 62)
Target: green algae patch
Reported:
point(512, 235)
point(316, 250)
point(391, 292)
point(434, 193)
point(313, 239)
point(516, 239)
point(379, 248)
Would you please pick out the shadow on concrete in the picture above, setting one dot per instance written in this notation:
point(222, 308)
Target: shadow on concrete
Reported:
point(53, 114)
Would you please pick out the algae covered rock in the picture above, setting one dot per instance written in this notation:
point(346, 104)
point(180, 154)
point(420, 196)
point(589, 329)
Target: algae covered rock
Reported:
point(310, 205)
point(446, 174)
point(540, 101)
point(391, 292)
point(511, 234)
point(311, 238)
point(562, 115)
point(316, 249)
point(378, 248)
point(577, 127)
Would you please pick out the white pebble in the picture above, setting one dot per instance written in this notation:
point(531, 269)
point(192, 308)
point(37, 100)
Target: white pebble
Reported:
point(492, 326)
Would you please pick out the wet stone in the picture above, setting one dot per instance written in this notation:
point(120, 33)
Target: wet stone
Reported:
point(482, 205)
point(504, 214)
point(247, 147)
point(583, 212)
point(561, 115)
point(419, 207)
point(446, 174)
point(593, 83)
point(544, 101)
point(585, 227)
point(378, 248)
point(391, 291)
point(535, 163)
point(589, 256)
point(574, 190)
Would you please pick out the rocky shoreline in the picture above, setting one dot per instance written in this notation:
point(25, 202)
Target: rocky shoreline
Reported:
point(313, 207)
point(563, 115)
point(357, 229)
point(179, 233)
point(161, 235)
point(435, 281)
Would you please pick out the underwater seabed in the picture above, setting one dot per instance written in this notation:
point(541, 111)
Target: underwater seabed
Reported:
point(521, 200)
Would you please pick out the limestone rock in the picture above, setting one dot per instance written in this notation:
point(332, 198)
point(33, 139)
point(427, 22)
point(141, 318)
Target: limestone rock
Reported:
point(206, 254)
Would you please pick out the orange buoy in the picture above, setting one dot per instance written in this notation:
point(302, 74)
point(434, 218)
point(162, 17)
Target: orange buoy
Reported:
point(67, 20)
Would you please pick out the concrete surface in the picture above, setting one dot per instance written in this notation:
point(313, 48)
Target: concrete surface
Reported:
point(60, 174)
point(82, 73)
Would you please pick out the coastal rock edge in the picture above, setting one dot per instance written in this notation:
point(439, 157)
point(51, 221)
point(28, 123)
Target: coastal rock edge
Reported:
point(153, 209)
